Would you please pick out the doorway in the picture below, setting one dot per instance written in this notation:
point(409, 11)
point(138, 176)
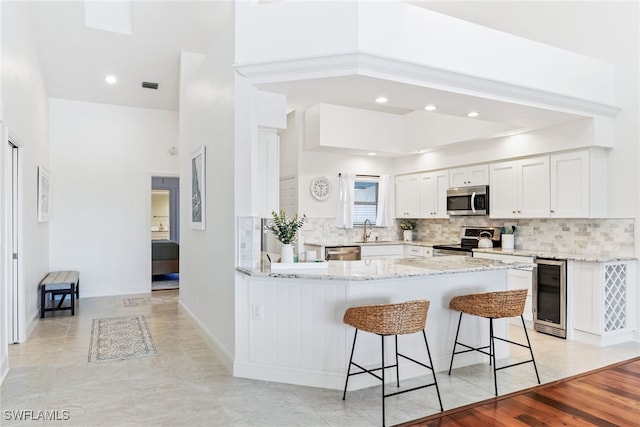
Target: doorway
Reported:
point(165, 233)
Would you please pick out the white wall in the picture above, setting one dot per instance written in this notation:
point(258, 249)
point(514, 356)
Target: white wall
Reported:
point(102, 159)
point(330, 126)
point(307, 164)
point(573, 135)
point(207, 117)
point(25, 105)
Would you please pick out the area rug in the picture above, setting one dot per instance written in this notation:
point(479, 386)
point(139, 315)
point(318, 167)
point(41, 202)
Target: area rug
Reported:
point(162, 299)
point(120, 338)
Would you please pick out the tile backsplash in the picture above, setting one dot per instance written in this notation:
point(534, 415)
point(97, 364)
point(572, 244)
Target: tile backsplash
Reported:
point(580, 236)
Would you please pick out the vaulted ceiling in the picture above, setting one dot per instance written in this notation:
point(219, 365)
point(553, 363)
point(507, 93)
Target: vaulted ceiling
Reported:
point(76, 59)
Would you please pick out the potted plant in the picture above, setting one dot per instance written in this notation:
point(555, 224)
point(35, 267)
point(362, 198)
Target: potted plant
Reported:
point(285, 230)
point(508, 237)
point(407, 229)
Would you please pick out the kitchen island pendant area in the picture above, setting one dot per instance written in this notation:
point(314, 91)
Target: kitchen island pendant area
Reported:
point(289, 326)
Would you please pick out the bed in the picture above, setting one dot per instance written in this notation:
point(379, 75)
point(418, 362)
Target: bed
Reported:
point(165, 257)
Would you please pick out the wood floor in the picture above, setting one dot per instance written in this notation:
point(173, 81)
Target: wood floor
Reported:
point(609, 396)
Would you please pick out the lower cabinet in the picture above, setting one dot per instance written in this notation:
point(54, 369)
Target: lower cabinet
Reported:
point(600, 301)
point(382, 251)
point(417, 251)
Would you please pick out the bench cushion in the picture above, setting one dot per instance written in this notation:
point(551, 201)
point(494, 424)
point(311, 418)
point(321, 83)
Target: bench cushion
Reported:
point(60, 278)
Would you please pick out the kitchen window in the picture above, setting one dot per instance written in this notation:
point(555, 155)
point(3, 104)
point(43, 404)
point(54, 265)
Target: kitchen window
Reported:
point(365, 202)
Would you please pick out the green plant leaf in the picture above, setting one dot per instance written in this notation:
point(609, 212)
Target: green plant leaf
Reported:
point(284, 228)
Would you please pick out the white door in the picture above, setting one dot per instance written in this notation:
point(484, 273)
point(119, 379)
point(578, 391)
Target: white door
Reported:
point(12, 243)
point(533, 178)
point(504, 190)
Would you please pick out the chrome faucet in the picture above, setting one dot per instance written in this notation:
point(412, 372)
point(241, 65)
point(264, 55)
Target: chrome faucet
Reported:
point(365, 235)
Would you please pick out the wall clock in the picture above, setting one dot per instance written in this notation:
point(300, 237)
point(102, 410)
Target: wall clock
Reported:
point(320, 188)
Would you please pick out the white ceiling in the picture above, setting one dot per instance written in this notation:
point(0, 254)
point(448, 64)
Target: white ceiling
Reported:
point(76, 59)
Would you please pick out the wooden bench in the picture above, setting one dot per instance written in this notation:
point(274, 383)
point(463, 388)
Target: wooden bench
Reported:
point(59, 283)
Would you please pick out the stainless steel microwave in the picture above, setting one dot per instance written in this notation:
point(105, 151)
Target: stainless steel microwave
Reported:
point(468, 200)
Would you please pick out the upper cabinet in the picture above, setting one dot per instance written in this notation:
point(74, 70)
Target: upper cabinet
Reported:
point(433, 194)
point(520, 188)
point(563, 185)
point(422, 195)
point(408, 196)
point(469, 176)
point(578, 184)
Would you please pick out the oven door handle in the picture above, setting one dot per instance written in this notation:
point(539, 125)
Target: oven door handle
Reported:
point(473, 202)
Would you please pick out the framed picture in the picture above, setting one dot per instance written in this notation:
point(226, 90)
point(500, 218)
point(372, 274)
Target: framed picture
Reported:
point(198, 194)
point(44, 199)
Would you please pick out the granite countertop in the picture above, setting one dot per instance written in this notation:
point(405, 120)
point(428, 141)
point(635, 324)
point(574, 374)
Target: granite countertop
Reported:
point(378, 269)
point(374, 243)
point(603, 256)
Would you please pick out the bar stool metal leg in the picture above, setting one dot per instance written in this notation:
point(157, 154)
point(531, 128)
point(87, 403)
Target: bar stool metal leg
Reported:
point(383, 395)
point(455, 342)
point(492, 357)
point(353, 347)
point(433, 370)
point(524, 327)
point(397, 364)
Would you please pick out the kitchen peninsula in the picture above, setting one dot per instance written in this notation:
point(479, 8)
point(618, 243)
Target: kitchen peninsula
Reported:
point(289, 322)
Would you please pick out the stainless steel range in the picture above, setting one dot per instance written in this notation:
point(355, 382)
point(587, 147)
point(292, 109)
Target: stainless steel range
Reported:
point(470, 238)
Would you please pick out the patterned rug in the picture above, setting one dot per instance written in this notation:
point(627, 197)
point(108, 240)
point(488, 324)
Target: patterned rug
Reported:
point(162, 299)
point(120, 338)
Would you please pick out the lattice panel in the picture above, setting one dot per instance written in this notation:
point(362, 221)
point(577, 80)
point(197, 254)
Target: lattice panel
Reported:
point(615, 294)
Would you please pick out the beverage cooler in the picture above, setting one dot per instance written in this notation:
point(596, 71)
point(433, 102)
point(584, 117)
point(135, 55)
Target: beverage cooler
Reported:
point(550, 297)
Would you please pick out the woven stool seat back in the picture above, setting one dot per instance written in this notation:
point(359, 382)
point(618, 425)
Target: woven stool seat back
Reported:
point(493, 305)
point(389, 319)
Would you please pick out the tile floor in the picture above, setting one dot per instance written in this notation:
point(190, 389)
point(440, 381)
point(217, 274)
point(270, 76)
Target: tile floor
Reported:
point(186, 385)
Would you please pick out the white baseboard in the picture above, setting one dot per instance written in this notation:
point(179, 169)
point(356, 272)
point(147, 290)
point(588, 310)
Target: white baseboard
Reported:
point(336, 380)
point(603, 340)
point(225, 357)
point(4, 369)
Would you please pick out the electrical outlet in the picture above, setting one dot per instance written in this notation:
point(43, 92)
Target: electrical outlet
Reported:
point(256, 311)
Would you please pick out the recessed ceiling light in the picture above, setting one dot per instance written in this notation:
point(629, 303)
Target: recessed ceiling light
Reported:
point(473, 114)
point(381, 100)
point(430, 107)
point(371, 153)
point(111, 79)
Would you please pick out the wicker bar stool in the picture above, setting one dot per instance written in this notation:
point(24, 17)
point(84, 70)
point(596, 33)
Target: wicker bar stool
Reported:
point(384, 320)
point(492, 305)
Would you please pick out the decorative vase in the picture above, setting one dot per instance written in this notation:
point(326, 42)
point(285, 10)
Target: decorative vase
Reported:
point(508, 241)
point(286, 254)
point(408, 235)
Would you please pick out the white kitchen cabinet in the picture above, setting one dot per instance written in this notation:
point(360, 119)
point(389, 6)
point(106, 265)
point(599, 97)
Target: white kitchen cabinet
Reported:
point(418, 251)
point(433, 194)
point(408, 196)
point(578, 184)
point(516, 279)
point(520, 188)
point(381, 251)
point(600, 297)
point(469, 176)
